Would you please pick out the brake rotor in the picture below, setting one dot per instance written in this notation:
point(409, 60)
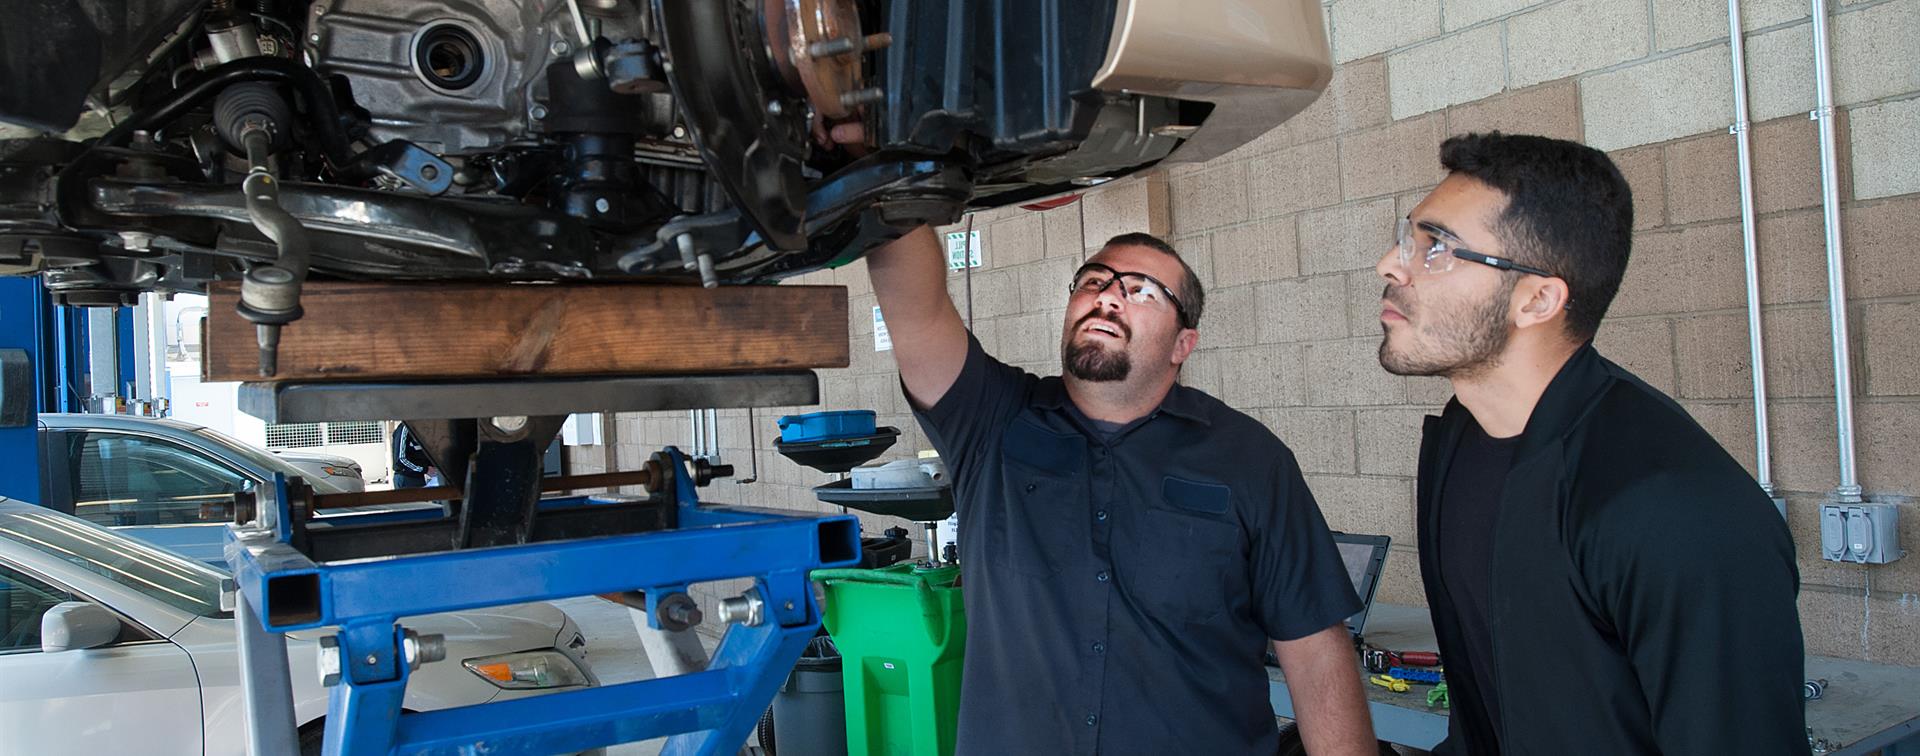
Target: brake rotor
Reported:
point(824, 53)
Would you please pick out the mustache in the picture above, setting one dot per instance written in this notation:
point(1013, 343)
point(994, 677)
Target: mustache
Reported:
point(1391, 296)
point(1106, 316)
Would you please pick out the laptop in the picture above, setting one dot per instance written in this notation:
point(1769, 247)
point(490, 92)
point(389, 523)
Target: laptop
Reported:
point(1364, 556)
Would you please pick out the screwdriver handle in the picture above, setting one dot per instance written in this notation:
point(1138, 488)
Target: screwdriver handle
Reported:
point(1420, 658)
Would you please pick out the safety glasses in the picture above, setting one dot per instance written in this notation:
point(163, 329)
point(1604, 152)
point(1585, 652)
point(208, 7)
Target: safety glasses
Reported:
point(1135, 288)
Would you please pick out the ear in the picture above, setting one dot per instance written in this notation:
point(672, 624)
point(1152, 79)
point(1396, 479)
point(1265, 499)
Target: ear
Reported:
point(1539, 300)
point(1184, 344)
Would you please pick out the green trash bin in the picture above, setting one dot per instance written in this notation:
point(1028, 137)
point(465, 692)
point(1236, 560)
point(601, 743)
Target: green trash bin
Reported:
point(902, 632)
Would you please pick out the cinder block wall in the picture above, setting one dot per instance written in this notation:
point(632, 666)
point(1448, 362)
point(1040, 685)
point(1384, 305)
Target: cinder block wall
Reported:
point(1285, 231)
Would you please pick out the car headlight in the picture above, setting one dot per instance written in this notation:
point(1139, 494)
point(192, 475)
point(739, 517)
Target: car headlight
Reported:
point(546, 668)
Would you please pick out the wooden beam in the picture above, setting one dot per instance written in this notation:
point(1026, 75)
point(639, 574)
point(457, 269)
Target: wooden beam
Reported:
point(389, 331)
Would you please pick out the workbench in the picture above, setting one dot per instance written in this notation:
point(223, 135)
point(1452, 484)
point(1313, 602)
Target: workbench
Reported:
point(1866, 706)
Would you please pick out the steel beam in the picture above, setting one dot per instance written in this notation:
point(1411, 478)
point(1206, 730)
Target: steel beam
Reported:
point(321, 402)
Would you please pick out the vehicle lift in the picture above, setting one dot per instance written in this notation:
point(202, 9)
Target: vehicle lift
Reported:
point(500, 543)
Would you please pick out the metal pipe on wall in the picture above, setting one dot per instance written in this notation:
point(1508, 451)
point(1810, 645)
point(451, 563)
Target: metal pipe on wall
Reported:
point(1849, 489)
point(1749, 231)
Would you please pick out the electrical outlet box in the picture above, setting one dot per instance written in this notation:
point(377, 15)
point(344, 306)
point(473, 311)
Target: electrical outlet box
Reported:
point(1864, 533)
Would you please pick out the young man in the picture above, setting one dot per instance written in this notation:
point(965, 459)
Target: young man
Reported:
point(1129, 546)
point(1603, 577)
point(411, 467)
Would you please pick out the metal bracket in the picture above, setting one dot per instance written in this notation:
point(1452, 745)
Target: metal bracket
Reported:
point(707, 710)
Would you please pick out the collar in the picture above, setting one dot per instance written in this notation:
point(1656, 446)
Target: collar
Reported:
point(1181, 401)
point(1566, 400)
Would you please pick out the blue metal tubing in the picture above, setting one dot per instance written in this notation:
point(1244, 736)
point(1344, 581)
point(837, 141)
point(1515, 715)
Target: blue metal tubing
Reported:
point(705, 711)
point(319, 595)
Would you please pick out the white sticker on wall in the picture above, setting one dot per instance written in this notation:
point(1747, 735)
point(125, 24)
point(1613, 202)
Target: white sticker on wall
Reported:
point(882, 342)
point(963, 250)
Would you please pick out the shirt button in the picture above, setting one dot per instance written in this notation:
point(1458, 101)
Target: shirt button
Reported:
point(1099, 648)
point(1093, 719)
point(1030, 487)
point(1101, 576)
point(1100, 515)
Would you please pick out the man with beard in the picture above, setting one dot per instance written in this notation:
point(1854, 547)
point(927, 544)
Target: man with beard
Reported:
point(1129, 546)
point(1603, 576)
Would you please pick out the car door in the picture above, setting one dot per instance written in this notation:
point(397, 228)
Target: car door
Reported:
point(138, 694)
point(132, 479)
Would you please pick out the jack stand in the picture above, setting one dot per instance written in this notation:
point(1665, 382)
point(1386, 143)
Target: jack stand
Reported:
point(293, 572)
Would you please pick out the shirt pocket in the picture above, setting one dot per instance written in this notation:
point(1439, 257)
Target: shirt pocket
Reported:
point(1183, 563)
point(1034, 532)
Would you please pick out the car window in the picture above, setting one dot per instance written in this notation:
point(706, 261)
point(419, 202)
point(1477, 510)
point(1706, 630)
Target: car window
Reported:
point(126, 479)
point(167, 578)
point(23, 599)
point(268, 460)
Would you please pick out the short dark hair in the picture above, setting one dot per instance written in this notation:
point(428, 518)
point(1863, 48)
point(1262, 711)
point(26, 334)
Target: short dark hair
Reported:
point(1193, 298)
point(1568, 211)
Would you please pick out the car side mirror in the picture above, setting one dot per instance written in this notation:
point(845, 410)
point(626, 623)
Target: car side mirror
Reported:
point(76, 625)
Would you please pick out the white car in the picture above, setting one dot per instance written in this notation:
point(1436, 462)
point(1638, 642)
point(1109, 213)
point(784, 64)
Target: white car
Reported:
point(165, 481)
point(109, 646)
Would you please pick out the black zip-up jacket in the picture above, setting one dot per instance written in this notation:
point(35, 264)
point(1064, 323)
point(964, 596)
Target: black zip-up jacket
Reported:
point(1643, 597)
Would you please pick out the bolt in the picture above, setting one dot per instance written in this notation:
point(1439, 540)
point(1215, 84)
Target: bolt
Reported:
point(328, 661)
point(314, 38)
point(788, 606)
point(679, 132)
point(429, 172)
point(560, 48)
point(602, 205)
point(510, 423)
point(539, 112)
point(747, 609)
point(860, 97)
point(830, 47)
point(775, 108)
point(372, 660)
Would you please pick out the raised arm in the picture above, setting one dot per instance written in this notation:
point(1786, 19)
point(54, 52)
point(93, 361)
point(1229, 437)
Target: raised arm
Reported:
point(929, 339)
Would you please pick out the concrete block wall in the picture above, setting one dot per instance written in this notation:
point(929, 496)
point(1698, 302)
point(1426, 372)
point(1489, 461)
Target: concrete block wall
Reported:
point(1285, 231)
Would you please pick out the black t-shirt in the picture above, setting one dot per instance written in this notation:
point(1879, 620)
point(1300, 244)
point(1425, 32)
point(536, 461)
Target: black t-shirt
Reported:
point(1122, 584)
point(1469, 507)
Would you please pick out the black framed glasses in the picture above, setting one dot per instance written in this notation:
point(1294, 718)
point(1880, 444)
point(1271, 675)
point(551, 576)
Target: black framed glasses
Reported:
point(1437, 250)
point(1135, 288)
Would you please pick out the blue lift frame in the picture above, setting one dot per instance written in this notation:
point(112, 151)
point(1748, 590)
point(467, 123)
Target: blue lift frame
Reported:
point(706, 712)
point(23, 343)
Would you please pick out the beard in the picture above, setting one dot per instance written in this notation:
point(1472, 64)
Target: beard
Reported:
point(1458, 344)
point(1092, 361)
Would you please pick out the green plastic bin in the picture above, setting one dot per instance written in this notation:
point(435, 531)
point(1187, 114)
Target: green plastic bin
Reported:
point(902, 632)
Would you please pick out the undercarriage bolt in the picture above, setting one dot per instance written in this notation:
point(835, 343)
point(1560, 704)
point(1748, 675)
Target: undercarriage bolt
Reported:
point(708, 277)
point(510, 423)
point(860, 97)
point(843, 45)
point(560, 48)
point(747, 609)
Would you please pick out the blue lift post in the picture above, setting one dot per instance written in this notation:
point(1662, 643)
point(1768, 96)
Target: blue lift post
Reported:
point(706, 712)
point(22, 330)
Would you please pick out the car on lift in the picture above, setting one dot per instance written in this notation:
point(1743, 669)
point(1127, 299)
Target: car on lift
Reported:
point(164, 144)
point(108, 645)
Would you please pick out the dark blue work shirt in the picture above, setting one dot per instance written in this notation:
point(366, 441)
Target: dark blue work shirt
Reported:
point(1121, 588)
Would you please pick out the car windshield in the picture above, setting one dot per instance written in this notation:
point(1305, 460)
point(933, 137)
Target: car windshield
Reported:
point(267, 460)
point(163, 576)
